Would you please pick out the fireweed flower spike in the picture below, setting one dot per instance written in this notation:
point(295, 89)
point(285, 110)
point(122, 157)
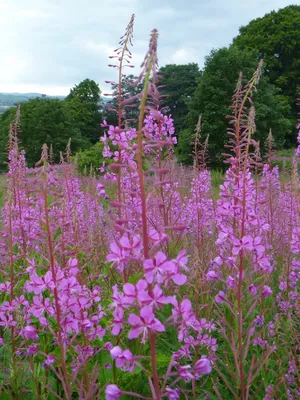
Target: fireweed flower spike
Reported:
point(137, 306)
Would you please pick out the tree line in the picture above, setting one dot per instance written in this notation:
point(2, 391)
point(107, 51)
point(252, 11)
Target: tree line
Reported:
point(189, 92)
point(54, 121)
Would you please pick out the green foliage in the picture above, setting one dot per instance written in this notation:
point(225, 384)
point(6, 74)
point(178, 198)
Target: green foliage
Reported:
point(275, 38)
point(90, 158)
point(213, 97)
point(54, 121)
point(129, 89)
point(5, 121)
point(184, 148)
point(42, 121)
point(85, 104)
point(48, 121)
point(285, 164)
point(179, 83)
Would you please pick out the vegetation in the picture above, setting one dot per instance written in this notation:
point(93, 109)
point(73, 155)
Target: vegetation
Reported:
point(53, 121)
point(146, 282)
point(44, 120)
point(84, 102)
point(178, 84)
point(275, 38)
point(90, 160)
point(186, 92)
point(213, 97)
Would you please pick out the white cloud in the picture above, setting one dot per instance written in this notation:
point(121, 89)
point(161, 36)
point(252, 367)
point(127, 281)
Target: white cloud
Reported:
point(183, 56)
point(50, 45)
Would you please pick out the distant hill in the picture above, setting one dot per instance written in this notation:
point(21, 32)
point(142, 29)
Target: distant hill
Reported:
point(11, 99)
point(8, 100)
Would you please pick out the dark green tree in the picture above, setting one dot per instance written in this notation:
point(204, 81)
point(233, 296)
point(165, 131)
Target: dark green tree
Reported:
point(213, 98)
point(85, 104)
point(179, 83)
point(43, 120)
point(5, 120)
point(275, 38)
point(129, 89)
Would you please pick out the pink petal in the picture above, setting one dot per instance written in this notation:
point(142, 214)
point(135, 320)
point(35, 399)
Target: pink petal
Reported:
point(179, 279)
point(157, 326)
point(147, 313)
point(135, 332)
point(134, 320)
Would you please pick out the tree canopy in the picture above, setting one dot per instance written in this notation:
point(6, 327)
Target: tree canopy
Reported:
point(275, 37)
point(84, 102)
point(178, 85)
point(213, 97)
point(43, 121)
point(128, 90)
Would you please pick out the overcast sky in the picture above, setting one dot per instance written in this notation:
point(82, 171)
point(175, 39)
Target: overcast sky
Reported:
point(47, 46)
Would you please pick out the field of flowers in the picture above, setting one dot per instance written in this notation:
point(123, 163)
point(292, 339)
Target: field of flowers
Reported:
point(144, 282)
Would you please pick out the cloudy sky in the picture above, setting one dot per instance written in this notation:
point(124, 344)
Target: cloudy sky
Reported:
point(47, 46)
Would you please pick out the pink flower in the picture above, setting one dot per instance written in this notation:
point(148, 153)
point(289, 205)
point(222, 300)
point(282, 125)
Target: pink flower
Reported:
point(181, 260)
point(202, 366)
point(172, 394)
point(100, 190)
point(49, 360)
point(185, 373)
point(267, 291)
point(5, 287)
point(245, 244)
point(39, 307)
point(118, 256)
point(117, 321)
point(220, 297)
point(136, 292)
point(157, 237)
point(134, 245)
point(143, 324)
point(124, 359)
point(29, 332)
point(230, 282)
point(182, 310)
point(118, 298)
point(112, 392)
point(32, 349)
point(156, 298)
point(221, 238)
point(253, 289)
point(212, 276)
point(38, 285)
point(184, 316)
point(157, 268)
point(259, 249)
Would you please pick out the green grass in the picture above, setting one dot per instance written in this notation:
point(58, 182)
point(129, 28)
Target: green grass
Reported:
point(216, 177)
point(285, 153)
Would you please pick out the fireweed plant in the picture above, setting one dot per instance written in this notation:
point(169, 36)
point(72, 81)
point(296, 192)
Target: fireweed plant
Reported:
point(141, 283)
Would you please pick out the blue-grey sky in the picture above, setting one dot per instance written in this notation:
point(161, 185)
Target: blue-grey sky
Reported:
point(49, 45)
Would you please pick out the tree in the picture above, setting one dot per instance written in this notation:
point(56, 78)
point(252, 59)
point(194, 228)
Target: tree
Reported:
point(5, 121)
point(84, 101)
point(129, 89)
point(213, 97)
point(275, 38)
point(179, 83)
point(43, 120)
